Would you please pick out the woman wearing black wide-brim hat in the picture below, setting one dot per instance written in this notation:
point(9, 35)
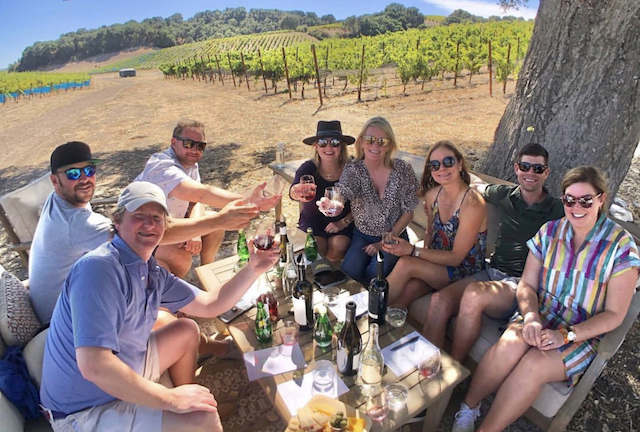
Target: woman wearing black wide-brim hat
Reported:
point(330, 155)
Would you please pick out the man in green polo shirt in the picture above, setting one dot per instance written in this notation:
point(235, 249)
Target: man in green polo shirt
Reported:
point(523, 209)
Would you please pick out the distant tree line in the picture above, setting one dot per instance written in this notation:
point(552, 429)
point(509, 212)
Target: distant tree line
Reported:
point(460, 16)
point(166, 32)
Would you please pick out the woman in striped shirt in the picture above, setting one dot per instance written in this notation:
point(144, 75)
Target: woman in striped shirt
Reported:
point(577, 284)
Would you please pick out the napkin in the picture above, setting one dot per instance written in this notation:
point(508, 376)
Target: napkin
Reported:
point(406, 359)
point(269, 362)
point(296, 393)
point(362, 305)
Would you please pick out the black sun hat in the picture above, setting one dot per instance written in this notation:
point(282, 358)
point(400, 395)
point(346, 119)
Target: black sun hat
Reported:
point(329, 129)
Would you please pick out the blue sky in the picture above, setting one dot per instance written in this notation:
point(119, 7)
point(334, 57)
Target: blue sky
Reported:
point(27, 21)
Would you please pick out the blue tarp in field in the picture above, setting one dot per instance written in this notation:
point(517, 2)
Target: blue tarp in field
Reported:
point(46, 89)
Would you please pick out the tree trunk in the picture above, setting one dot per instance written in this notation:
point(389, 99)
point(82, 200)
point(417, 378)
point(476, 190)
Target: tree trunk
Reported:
point(578, 93)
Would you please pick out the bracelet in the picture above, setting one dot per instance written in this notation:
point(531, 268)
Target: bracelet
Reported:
point(413, 250)
point(565, 335)
point(346, 222)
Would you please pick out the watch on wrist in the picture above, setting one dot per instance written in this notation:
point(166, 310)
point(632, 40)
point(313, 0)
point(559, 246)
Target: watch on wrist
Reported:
point(416, 252)
point(571, 335)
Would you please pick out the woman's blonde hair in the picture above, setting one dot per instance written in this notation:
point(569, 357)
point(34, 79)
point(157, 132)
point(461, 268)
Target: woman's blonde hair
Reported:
point(382, 124)
point(588, 174)
point(427, 182)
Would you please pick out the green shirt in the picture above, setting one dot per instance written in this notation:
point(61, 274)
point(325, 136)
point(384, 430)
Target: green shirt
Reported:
point(518, 222)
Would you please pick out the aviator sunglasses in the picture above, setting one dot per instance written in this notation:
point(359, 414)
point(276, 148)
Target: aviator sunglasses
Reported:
point(526, 166)
point(447, 162)
point(188, 144)
point(382, 142)
point(76, 173)
point(584, 201)
point(323, 142)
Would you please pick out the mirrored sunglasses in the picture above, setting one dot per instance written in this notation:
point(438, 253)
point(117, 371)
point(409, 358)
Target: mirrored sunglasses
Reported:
point(76, 173)
point(323, 142)
point(584, 201)
point(188, 144)
point(526, 166)
point(447, 162)
point(382, 142)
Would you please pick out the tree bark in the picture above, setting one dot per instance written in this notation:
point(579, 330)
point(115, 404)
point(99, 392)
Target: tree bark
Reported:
point(578, 94)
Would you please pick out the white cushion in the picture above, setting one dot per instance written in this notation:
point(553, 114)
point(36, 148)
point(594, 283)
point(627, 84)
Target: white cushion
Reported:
point(23, 206)
point(33, 354)
point(18, 321)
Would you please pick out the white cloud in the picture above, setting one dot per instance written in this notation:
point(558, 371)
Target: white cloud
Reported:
point(482, 8)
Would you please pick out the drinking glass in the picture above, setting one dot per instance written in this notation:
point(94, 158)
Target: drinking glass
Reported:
point(289, 334)
point(378, 404)
point(308, 188)
point(335, 201)
point(331, 296)
point(429, 363)
point(387, 238)
point(275, 186)
point(264, 234)
point(324, 379)
point(397, 396)
point(396, 315)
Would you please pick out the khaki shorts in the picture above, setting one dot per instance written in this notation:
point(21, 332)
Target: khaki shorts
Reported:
point(119, 415)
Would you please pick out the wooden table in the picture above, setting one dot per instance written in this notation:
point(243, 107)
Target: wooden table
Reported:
point(432, 394)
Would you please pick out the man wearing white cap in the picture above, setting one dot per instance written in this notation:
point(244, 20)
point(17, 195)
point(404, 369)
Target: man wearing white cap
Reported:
point(102, 361)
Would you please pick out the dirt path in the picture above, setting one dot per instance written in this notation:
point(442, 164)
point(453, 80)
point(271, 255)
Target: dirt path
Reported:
point(125, 120)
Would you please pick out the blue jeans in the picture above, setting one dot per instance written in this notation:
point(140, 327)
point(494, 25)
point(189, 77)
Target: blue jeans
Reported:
point(361, 266)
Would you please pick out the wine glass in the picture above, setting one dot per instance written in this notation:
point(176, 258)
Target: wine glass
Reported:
point(308, 188)
point(324, 379)
point(378, 404)
point(289, 334)
point(429, 363)
point(275, 185)
point(264, 234)
point(334, 201)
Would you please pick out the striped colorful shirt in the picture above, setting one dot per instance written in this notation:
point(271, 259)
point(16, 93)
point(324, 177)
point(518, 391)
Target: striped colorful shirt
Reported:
point(573, 283)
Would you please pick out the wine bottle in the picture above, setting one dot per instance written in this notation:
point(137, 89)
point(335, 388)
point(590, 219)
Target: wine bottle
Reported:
point(349, 344)
point(263, 324)
point(371, 367)
point(378, 294)
point(283, 244)
point(290, 273)
point(310, 246)
point(303, 295)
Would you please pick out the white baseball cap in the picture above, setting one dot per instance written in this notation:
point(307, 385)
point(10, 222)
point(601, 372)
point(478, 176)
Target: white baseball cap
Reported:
point(140, 193)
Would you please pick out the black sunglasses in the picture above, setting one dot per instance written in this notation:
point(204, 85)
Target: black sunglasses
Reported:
point(188, 144)
point(447, 162)
point(526, 166)
point(584, 201)
point(323, 142)
point(76, 173)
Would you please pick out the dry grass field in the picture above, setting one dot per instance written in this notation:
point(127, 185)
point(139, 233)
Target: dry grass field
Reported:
point(126, 120)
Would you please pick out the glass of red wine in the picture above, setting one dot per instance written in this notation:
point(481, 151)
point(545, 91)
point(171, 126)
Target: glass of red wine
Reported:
point(264, 234)
point(307, 187)
point(429, 363)
point(378, 404)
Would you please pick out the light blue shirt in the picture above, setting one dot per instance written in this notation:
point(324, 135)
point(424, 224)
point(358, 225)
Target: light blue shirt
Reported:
point(64, 233)
point(111, 300)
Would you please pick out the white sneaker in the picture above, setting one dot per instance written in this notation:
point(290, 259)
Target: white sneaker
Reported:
point(465, 419)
